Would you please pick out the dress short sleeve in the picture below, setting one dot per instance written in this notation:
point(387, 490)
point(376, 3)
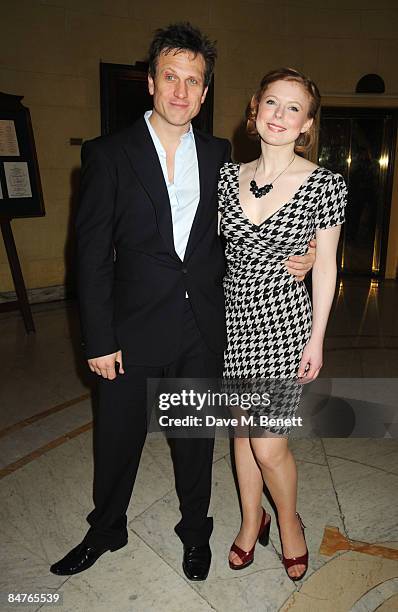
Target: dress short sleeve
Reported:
point(331, 207)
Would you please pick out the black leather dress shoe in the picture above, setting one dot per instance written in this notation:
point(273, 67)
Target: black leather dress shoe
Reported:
point(196, 562)
point(81, 558)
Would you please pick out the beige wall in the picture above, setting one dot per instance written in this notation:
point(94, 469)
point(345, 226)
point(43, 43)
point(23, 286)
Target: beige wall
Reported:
point(50, 52)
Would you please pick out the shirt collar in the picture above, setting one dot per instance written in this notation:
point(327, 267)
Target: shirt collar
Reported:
point(189, 134)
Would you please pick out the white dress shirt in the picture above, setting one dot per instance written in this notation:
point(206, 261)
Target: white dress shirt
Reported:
point(184, 191)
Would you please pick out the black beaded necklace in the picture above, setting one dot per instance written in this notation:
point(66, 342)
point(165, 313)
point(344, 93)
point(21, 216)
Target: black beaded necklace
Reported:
point(259, 192)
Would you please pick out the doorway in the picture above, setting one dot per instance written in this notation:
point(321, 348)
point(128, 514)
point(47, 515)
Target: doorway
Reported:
point(359, 143)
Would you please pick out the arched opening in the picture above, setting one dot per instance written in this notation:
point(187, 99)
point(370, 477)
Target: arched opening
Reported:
point(370, 84)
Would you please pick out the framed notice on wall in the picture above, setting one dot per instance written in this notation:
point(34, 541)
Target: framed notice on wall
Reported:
point(20, 186)
point(20, 189)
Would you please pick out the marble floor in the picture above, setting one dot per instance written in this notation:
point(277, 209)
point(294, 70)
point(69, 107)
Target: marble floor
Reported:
point(46, 484)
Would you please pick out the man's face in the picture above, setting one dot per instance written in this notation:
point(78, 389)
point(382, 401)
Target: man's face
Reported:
point(178, 87)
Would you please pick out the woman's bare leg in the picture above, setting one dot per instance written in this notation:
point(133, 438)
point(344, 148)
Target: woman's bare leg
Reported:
point(251, 488)
point(279, 471)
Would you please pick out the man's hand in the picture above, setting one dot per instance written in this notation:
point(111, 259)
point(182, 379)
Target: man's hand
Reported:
point(105, 366)
point(300, 265)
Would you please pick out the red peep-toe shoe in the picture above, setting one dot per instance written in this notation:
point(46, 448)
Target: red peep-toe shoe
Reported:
point(303, 560)
point(247, 557)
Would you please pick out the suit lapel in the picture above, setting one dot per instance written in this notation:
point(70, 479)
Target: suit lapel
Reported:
point(146, 166)
point(207, 171)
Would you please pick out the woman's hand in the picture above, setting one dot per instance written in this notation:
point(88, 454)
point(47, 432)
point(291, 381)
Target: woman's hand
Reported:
point(311, 362)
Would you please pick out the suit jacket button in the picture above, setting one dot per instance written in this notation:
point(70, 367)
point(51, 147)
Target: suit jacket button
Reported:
point(184, 270)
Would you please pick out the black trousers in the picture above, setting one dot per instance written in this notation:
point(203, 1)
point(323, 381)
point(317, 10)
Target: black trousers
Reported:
point(120, 428)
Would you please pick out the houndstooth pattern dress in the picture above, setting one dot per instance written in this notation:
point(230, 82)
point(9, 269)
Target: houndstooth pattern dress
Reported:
point(268, 312)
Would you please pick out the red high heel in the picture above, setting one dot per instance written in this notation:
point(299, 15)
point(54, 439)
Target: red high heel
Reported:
point(247, 557)
point(303, 560)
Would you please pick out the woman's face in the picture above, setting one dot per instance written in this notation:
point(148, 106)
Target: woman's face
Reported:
point(283, 113)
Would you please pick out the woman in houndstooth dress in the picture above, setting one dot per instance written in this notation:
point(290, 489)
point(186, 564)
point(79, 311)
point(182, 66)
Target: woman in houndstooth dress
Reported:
point(272, 332)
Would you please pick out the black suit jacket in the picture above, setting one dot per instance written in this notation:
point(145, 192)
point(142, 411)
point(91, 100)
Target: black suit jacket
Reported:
point(131, 281)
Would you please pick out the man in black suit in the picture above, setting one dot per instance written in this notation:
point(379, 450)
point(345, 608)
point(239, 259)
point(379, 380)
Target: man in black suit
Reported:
point(150, 288)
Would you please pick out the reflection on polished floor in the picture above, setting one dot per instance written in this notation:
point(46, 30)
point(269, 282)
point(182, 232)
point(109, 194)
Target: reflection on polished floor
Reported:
point(46, 475)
